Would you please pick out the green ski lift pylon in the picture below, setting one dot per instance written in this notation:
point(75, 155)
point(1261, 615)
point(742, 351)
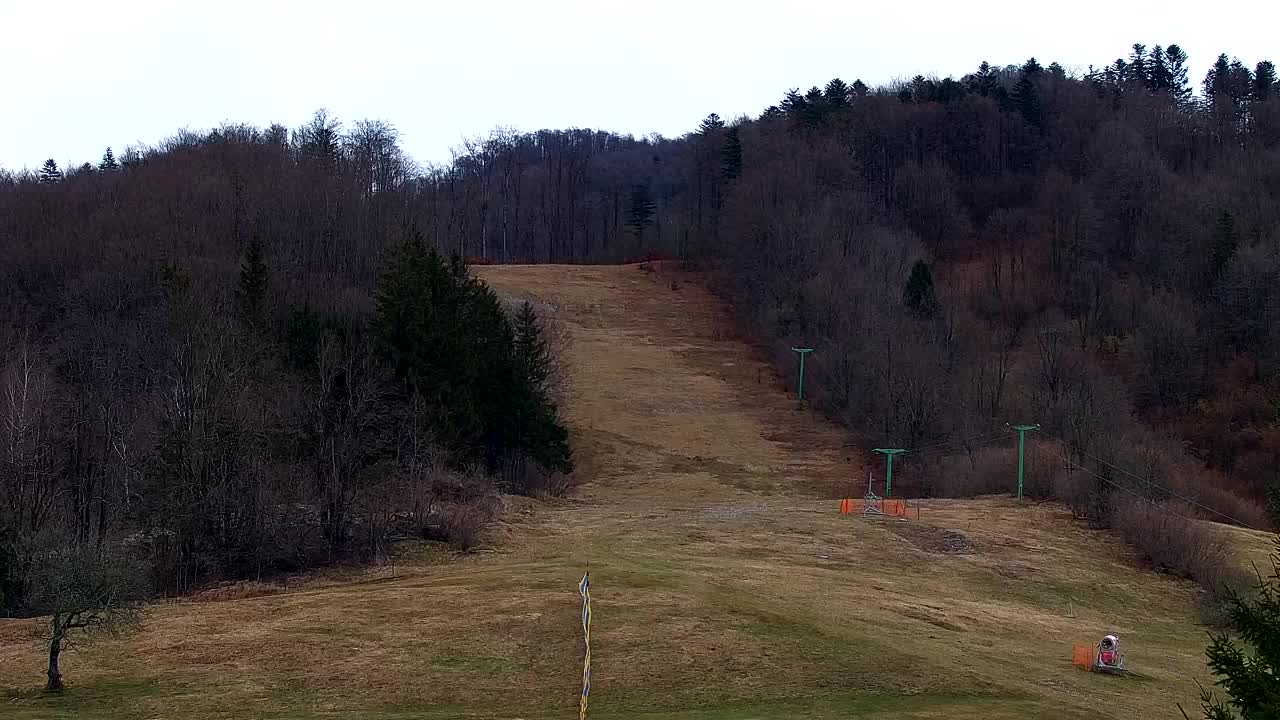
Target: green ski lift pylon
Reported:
point(888, 470)
point(1022, 446)
point(802, 352)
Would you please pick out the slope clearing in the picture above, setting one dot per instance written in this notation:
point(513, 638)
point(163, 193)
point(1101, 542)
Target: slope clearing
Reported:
point(725, 585)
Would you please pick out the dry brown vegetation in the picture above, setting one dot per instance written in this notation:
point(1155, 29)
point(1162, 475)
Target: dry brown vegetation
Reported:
point(725, 583)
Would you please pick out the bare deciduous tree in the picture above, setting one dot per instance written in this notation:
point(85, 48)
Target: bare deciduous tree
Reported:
point(86, 594)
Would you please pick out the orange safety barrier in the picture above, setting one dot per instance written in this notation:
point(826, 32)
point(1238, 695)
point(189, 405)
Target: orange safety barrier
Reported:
point(1082, 656)
point(852, 506)
point(888, 506)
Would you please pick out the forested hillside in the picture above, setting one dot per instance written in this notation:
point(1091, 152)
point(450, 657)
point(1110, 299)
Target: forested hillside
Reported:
point(1095, 252)
point(209, 402)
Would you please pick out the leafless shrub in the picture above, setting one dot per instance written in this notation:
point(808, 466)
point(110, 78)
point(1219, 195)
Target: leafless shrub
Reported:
point(542, 484)
point(236, 591)
point(994, 469)
point(465, 525)
point(1168, 538)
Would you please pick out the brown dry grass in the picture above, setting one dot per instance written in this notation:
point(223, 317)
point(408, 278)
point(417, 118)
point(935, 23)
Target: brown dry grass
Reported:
point(725, 584)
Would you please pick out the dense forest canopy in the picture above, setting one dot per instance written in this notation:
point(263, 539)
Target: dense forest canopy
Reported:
point(1098, 253)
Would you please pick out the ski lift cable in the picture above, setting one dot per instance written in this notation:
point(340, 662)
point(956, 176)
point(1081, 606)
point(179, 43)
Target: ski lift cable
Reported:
point(959, 442)
point(962, 444)
point(1118, 486)
point(1144, 481)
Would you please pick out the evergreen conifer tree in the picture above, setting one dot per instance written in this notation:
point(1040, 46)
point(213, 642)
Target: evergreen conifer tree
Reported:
point(919, 294)
point(731, 155)
point(1240, 86)
point(251, 292)
point(1264, 80)
point(793, 103)
point(1138, 70)
point(1249, 675)
point(815, 107)
point(1026, 99)
point(1225, 243)
point(640, 216)
point(859, 89)
point(836, 93)
point(1217, 80)
point(49, 172)
point(108, 161)
point(711, 124)
point(542, 433)
point(1179, 85)
point(318, 141)
point(984, 81)
point(1157, 70)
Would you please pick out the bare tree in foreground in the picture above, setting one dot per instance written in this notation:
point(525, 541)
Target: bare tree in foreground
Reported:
point(86, 595)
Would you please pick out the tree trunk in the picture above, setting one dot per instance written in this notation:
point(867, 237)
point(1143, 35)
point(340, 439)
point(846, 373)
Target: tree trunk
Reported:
point(55, 676)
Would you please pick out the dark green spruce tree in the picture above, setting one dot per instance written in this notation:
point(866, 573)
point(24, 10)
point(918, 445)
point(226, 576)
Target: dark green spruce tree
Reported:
point(1246, 663)
point(542, 434)
point(815, 108)
point(919, 295)
point(1026, 98)
point(731, 155)
point(793, 103)
point(836, 94)
point(640, 215)
point(1157, 70)
point(49, 172)
point(711, 124)
point(1264, 81)
point(482, 374)
point(1226, 240)
point(1179, 84)
point(1139, 69)
point(422, 326)
point(984, 81)
point(251, 291)
point(108, 161)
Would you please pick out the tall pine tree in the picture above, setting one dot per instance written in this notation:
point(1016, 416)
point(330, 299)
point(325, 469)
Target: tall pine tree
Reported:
point(1250, 675)
point(815, 108)
point(731, 155)
point(984, 81)
point(1179, 84)
point(1026, 99)
point(1264, 81)
point(251, 292)
point(1139, 72)
point(542, 434)
point(919, 294)
point(1225, 243)
point(640, 216)
point(711, 124)
point(793, 103)
point(108, 161)
point(1217, 79)
point(836, 93)
point(49, 172)
point(1158, 70)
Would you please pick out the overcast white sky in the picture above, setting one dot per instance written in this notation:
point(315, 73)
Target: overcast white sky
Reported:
point(77, 77)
